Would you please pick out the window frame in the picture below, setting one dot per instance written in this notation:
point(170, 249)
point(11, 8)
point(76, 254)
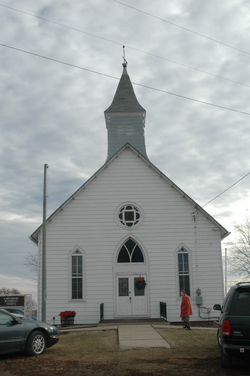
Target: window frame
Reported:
point(134, 208)
point(77, 251)
point(187, 251)
point(130, 255)
point(8, 319)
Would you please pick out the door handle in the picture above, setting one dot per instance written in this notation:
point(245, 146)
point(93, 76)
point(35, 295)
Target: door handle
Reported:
point(130, 299)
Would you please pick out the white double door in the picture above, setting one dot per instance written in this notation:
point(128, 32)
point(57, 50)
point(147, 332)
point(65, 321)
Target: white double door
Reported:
point(131, 301)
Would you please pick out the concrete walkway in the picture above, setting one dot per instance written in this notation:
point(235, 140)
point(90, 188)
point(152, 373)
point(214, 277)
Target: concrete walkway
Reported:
point(131, 336)
point(135, 335)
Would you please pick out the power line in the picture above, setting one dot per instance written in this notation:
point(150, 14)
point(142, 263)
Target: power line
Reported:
point(192, 99)
point(60, 24)
point(183, 28)
point(121, 44)
point(25, 275)
point(188, 66)
point(58, 61)
point(117, 78)
point(227, 189)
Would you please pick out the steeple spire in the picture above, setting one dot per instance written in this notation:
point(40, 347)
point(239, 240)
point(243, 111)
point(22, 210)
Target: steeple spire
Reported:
point(125, 118)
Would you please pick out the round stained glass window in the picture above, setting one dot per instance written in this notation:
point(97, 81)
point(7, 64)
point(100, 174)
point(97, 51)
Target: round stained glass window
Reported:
point(129, 215)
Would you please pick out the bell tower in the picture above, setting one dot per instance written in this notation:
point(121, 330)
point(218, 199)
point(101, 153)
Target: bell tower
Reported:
point(125, 118)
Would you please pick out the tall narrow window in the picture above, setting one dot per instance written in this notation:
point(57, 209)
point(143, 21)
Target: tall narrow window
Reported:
point(77, 275)
point(183, 269)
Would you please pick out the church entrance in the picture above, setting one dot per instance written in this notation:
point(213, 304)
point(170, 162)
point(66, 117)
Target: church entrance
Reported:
point(131, 295)
point(131, 285)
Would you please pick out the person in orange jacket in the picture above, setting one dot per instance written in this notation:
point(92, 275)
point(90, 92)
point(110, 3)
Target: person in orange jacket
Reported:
point(186, 309)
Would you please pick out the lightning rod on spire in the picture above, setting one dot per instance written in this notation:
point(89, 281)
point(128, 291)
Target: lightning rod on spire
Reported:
point(125, 63)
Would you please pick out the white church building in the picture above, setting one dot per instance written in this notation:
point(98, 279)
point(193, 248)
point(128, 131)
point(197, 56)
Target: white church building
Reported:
point(129, 222)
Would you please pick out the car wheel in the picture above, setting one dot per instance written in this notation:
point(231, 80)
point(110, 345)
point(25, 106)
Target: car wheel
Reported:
point(36, 343)
point(225, 360)
point(218, 337)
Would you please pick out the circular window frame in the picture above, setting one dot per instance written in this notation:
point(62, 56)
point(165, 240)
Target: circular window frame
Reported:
point(134, 208)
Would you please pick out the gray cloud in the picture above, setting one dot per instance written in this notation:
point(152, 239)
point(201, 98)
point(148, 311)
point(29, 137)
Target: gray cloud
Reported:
point(53, 113)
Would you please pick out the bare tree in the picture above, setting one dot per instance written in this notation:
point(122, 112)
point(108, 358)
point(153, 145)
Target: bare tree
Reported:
point(31, 262)
point(7, 291)
point(240, 251)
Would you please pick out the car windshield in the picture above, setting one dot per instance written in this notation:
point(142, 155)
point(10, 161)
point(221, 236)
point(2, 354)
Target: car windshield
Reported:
point(241, 302)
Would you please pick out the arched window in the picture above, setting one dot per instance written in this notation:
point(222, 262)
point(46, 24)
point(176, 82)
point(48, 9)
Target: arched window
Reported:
point(77, 291)
point(130, 252)
point(183, 270)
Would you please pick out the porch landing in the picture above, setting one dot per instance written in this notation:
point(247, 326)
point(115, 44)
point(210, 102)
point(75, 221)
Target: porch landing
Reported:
point(129, 321)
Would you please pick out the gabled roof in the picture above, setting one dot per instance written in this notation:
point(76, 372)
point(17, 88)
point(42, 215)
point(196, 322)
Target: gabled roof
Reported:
point(125, 99)
point(224, 233)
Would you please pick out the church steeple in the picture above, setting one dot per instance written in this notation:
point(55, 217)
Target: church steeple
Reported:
point(125, 118)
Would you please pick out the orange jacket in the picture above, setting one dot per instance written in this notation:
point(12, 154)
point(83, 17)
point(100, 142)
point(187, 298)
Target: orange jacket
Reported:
point(186, 309)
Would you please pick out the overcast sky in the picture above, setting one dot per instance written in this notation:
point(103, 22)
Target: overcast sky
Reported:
point(180, 53)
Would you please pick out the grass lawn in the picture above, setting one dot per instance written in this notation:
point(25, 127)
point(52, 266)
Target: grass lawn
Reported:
point(94, 353)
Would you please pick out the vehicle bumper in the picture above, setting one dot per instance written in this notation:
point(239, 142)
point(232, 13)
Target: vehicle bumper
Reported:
point(53, 340)
point(236, 351)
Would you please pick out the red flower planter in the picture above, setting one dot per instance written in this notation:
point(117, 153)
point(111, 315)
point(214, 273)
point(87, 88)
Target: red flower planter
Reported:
point(67, 322)
point(67, 318)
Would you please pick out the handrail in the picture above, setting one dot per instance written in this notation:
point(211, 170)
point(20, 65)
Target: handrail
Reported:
point(163, 310)
point(101, 311)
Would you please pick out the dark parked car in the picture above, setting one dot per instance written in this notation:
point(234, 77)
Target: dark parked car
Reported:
point(234, 324)
point(32, 337)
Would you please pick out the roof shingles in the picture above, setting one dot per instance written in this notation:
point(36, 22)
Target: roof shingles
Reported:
point(125, 99)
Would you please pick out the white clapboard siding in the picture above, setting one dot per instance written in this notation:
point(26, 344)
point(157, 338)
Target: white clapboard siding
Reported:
point(88, 221)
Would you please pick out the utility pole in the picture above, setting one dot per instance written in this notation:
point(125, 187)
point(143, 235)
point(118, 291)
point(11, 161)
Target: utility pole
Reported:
point(44, 292)
point(225, 271)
